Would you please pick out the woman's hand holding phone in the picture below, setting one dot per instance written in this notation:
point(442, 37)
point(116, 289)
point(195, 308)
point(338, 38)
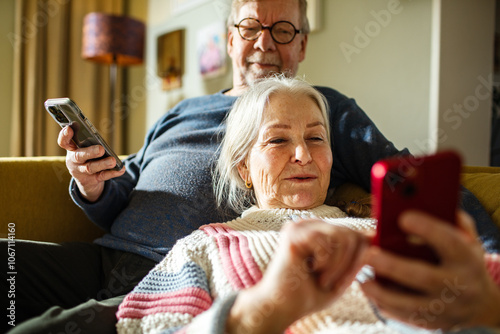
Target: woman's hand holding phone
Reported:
point(89, 174)
point(457, 292)
point(429, 264)
point(313, 265)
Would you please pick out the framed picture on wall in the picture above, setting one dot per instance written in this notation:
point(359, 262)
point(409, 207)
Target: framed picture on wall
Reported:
point(211, 50)
point(170, 59)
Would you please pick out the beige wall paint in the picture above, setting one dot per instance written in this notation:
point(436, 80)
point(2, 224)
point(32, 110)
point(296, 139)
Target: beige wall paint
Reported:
point(378, 52)
point(409, 64)
point(461, 114)
point(7, 8)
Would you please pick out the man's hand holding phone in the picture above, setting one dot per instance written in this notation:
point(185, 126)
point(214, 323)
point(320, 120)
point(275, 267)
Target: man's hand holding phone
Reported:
point(89, 174)
point(90, 160)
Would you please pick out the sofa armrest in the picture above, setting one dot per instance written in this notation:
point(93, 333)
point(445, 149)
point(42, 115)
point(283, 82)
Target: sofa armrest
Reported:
point(36, 202)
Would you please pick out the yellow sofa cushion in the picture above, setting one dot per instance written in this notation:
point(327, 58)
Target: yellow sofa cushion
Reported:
point(35, 200)
point(484, 182)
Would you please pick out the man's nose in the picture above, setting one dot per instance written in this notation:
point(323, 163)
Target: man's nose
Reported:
point(265, 41)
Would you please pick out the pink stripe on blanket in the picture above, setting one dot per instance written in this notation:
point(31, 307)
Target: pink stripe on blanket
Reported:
point(192, 301)
point(239, 265)
point(493, 266)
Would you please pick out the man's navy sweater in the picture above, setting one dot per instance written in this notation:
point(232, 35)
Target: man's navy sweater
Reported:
point(167, 190)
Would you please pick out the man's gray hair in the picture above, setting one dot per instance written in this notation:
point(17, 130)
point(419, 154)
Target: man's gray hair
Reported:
point(237, 4)
point(242, 128)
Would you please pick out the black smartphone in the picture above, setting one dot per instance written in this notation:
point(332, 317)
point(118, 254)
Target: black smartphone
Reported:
point(428, 183)
point(66, 112)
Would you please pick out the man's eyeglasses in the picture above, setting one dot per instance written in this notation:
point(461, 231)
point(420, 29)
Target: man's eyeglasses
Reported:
point(282, 32)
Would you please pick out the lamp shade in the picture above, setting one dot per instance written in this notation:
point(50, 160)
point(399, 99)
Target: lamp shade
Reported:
point(113, 39)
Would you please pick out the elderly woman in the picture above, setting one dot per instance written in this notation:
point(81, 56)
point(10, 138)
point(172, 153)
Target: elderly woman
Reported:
point(289, 262)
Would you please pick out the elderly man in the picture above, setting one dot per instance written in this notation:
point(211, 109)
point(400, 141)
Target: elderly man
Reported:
point(164, 192)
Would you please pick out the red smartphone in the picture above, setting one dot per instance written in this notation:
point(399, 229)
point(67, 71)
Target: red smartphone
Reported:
point(427, 183)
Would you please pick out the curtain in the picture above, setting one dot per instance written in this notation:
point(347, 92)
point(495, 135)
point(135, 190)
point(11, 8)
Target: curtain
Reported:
point(48, 64)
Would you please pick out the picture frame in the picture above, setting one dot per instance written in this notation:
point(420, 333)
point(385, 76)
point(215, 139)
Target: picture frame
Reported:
point(211, 50)
point(170, 58)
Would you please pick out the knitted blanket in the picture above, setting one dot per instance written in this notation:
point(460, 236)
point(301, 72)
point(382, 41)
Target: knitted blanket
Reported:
point(192, 289)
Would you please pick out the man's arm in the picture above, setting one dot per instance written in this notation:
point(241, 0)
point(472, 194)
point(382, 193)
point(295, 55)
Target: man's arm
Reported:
point(115, 192)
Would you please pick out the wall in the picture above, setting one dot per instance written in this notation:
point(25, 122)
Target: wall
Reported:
point(408, 63)
point(464, 76)
point(377, 51)
point(6, 73)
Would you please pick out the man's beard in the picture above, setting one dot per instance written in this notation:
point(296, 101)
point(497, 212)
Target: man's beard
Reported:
point(254, 74)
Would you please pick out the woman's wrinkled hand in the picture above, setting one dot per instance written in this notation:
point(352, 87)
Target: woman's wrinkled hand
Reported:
point(456, 293)
point(313, 265)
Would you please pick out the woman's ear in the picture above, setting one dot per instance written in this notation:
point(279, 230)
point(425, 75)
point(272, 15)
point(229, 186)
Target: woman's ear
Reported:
point(243, 171)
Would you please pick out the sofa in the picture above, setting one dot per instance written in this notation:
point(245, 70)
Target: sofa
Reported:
point(36, 202)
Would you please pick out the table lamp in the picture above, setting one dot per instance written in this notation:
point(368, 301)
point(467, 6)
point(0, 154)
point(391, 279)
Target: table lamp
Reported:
point(114, 40)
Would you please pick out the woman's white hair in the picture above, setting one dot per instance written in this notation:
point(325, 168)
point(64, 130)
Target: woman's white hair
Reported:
point(242, 128)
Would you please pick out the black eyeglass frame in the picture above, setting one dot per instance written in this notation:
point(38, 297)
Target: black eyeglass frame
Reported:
point(270, 28)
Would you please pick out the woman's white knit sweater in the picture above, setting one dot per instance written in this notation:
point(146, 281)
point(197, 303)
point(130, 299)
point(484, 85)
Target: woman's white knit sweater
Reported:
point(193, 288)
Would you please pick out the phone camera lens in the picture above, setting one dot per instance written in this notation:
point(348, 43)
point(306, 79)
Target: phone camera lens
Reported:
point(409, 190)
point(61, 118)
point(58, 115)
point(53, 110)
